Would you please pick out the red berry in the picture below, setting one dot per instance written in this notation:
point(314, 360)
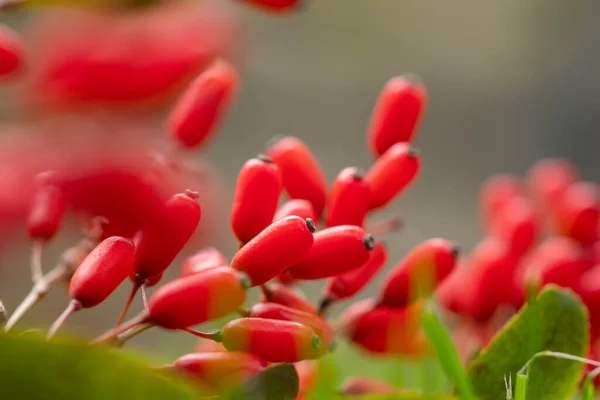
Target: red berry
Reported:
point(256, 197)
point(362, 386)
point(588, 287)
point(396, 115)
point(208, 346)
point(279, 312)
point(298, 207)
point(302, 175)
point(280, 294)
point(557, 260)
point(419, 273)
point(346, 285)
point(349, 199)
point(200, 109)
point(194, 299)
point(275, 6)
point(272, 340)
point(219, 371)
point(275, 249)
point(11, 51)
point(517, 223)
point(46, 213)
point(550, 178)
point(204, 259)
point(159, 243)
point(495, 193)
point(392, 173)
point(307, 373)
point(578, 213)
point(335, 251)
point(102, 271)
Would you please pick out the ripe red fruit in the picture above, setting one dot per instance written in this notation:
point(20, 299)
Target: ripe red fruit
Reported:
point(204, 259)
point(272, 340)
point(396, 115)
point(557, 260)
point(281, 294)
point(349, 199)
point(219, 371)
point(578, 213)
point(256, 197)
point(392, 173)
point(298, 207)
point(307, 372)
point(208, 346)
point(362, 386)
point(46, 212)
point(549, 179)
point(159, 243)
point(102, 271)
point(11, 51)
point(495, 193)
point(302, 175)
point(419, 273)
point(279, 312)
point(194, 299)
point(275, 249)
point(275, 6)
point(518, 224)
point(335, 251)
point(384, 330)
point(201, 107)
point(346, 285)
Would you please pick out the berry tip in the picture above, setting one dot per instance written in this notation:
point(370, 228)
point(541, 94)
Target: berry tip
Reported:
point(369, 241)
point(311, 225)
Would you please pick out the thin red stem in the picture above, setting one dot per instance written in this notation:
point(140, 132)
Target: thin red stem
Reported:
point(217, 336)
point(134, 290)
point(73, 306)
point(141, 318)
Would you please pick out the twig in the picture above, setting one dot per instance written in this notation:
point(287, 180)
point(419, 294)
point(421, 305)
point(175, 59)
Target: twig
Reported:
point(36, 261)
point(73, 306)
point(141, 318)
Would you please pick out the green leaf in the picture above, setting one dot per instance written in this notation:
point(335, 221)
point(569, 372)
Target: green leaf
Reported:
point(32, 368)
point(277, 382)
point(440, 339)
point(556, 321)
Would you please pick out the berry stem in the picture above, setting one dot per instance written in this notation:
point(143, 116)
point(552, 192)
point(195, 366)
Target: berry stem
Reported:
point(217, 336)
point(136, 330)
point(134, 290)
point(144, 296)
point(37, 293)
point(36, 262)
point(73, 306)
point(141, 318)
point(324, 306)
point(3, 315)
point(243, 312)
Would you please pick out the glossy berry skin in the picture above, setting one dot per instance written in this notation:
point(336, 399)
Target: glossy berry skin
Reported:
point(158, 244)
point(279, 312)
point(204, 259)
point(281, 294)
point(578, 213)
point(272, 340)
point(349, 199)
point(346, 285)
point(275, 6)
point(383, 330)
point(46, 213)
point(275, 249)
point(102, 271)
point(548, 179)
point(256, 197)
point(419, 273)
point(392, 174)
point(298, 207)
point(396, 114)
point(518, 224)
point(496, 192)
point(11, 52)
point(302, 175)
point(200, 109)
point(557, 260)
point(219, 371)
point(335, 251)
point(194, 299)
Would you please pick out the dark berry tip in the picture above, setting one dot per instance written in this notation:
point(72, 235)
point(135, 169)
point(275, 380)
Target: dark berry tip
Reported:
point(245, 280)
point(311, 225)
point(456, 250)
point(324, 305)
point(358, 173)
point(264, 158)
point(369, 241)
point(316, 342)
point(414, 152)
point(192, 194)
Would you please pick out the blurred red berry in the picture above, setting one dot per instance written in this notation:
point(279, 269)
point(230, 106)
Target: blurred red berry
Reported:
point(11, 52)
point(281, 294)
point(256, 197)
point(298, 207)
point(335, 251)
point(275, 6)
point(302, 175)
point(548, 179)
point(204, 259)
point(46, 212)
point(392, 173)
point(517, 223)
point(396, 115)
point(578, 213)
point(307, 372)
point(495, 193)
point(349, 199)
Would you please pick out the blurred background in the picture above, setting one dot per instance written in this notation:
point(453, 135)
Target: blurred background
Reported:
point(509, 82)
